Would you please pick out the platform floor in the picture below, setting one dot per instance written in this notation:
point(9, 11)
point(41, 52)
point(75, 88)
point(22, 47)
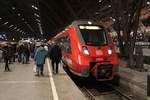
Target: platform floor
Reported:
point(21, 84)
point(135, 81)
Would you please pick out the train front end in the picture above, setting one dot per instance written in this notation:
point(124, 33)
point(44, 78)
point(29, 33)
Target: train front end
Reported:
point(96, 56)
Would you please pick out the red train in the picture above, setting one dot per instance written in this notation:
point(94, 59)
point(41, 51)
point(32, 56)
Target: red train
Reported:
point(88, 50)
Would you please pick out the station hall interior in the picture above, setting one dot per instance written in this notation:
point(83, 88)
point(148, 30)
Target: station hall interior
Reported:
point(74, 49)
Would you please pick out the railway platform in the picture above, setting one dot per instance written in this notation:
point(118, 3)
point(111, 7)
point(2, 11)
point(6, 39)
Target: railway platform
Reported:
point(21, 84)
point(133, 81)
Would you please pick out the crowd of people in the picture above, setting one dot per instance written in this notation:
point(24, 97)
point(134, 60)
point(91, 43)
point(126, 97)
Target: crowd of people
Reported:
point(36, 51)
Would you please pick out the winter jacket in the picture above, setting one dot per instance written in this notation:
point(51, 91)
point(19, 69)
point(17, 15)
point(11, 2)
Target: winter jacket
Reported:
point(55, 53)
point(40, 55)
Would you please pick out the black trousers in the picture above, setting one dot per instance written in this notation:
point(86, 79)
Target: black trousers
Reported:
point(6, 64)
point(55, 68)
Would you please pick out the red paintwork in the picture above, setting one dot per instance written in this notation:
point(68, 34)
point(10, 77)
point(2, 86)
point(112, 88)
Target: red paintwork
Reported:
point(77, 53)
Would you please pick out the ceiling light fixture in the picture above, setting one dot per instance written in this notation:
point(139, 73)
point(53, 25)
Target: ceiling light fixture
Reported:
point(11, 26)
point(39, 23)
point(23, 19)
point(109, 6)
point(18, 29)
point(5, 23)
point(38, 20)
point(100, 0)
point(15, 28)
point(36, 15)
point(34, 7)
point(97, 13)
point(19, 14)
point(114, 19)
point(13, 8)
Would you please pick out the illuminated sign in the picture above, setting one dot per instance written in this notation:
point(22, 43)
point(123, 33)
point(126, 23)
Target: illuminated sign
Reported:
point(90, 27)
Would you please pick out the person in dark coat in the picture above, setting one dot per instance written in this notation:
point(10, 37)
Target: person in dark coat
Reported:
point(55, 56)
point(6, 55)
point(13, 52)
point(25, 54)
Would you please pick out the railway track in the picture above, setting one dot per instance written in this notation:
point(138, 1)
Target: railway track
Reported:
point(95, 90)
point(107, 92)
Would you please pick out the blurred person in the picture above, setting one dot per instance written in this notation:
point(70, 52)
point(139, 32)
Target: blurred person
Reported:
point(13, 47)
point(6, 55)
point(25, 54)
point(1, 54)
point(32, 47)
point(28, 52)
point(55, 56)
point(39, 57)
point(10, 51)
point(20, 50)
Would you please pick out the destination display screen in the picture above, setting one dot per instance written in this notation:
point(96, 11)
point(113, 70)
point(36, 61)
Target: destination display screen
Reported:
point(89, 27)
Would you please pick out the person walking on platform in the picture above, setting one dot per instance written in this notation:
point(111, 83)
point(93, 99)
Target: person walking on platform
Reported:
point(20, 50)
point(39, 58)
point(55, 56)
point(6, 55)
point(25, 53)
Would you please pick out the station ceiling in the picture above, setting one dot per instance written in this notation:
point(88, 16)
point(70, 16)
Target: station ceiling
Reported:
point(44, 18)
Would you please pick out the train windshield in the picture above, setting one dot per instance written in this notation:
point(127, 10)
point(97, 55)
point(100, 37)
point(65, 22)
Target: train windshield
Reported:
point(93, 35)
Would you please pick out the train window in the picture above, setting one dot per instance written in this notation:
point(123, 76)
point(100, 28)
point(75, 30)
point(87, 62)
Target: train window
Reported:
point(94, 37)
point(66, 44)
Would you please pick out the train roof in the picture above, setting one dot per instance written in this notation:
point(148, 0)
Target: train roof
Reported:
point(86, 22)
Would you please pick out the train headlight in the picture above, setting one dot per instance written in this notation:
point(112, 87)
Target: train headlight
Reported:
point(85, 50)
point(109, 50)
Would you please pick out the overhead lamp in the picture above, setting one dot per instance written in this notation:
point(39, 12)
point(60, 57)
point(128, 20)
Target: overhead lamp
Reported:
point(109, 6)
point(18, 29)
point(38, 20)
point(34, 7)
point(13, 8)
point(0, 18)
point(19, 14)
point(89, 22)
point(97, 13)
point(148, 2)
point(114, 19)
point(5, 23)
point(39, 23)
point(15, 28)
point(36, 15)
point(23, 19)
point(100, 0)
point(11, 26)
